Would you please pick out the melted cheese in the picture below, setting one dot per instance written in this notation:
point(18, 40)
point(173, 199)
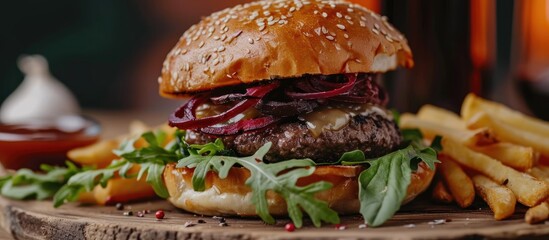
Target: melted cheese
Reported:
point(335, 117)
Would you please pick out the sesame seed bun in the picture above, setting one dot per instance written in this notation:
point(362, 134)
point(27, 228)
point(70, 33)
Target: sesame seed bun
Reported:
point(231, 196)
point(264, 40)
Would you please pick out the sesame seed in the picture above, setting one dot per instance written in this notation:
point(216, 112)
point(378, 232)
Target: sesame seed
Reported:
point(375, 31)
point(346, 35)
point(325, 15)
point(292, 9)
point(221, 49)
point(261, 27)
point(206, 69)
point(329, 37)
point(383, 32)
point(350, 22)
point(333, 34)
point(358, 60)
point(250, 40)
point(339, 15)
point(229, 76)
point(201, 44)
point(350, 10)
point(248, 50)
point(341, 26)
point(215, 62)
point(315, 12)
point(389, 38)
point(187, 67)
point(362, 24)
point(384, 18)
point(266, 13)
point(184, 51)
point(348, 17)
point(216, 37)
point(223, 37)
point(324, 30)
point(376, 26)
point(317, 31)
point(363, 18)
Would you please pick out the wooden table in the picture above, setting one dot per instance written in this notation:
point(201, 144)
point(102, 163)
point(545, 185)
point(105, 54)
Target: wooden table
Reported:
point(419, 220)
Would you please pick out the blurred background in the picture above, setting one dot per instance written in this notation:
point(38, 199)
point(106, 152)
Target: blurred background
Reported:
point(109, 53)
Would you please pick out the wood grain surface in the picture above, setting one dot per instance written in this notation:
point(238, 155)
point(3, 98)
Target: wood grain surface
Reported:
point(39, 220)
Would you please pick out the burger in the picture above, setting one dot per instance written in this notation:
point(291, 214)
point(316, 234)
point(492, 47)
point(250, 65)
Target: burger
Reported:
point(300, 79)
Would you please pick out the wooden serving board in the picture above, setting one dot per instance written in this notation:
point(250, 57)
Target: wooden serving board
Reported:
point(39, 220)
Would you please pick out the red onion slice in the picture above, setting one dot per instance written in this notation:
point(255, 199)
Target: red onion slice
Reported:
point(351, 80)
point(185, 117)
point(241, 126)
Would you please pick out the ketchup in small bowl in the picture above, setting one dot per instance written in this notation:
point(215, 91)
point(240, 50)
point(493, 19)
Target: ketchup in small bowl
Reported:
point(27, 145)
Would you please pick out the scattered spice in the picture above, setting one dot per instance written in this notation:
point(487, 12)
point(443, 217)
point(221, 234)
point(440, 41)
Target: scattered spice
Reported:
point(342, 227)
point(140, 214)
point(437, 222)
point(223, 224)
point(119, 206)
point(188, 224)
point(361, 226)
point(410, 225)
point(147, 211)
point(201, 221)
point(289, 227)
point(128, 213)
point(159, 214)
point(220, 219)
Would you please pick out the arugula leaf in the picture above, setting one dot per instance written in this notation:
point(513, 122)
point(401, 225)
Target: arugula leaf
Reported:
point(26, 184)
point(280, 178)
point(383, 186)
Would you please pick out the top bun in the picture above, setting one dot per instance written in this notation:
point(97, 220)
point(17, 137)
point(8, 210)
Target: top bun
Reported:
point(271, 39)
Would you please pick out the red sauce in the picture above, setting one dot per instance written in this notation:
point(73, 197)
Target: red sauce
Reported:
point(29, 145)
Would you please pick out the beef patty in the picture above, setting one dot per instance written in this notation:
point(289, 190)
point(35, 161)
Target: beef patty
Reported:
point(374, 134)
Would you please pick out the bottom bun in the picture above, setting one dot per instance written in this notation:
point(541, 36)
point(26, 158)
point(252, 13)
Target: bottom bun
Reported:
point(231, 196)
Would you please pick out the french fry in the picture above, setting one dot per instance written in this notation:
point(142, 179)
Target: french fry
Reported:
point(98, 154)
point(431, 129)
point(117, 190)
point(537, 214)
point(441, 116)
point(459, 184)
point(515, 156)
point(540, 172)
point(500, 199)
point(473, 105)
point(509, 133)
point(528, 190)
point(441, 194)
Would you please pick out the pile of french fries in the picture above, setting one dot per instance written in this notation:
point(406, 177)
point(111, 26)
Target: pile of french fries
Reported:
point(490, 151)
point(100, 155)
